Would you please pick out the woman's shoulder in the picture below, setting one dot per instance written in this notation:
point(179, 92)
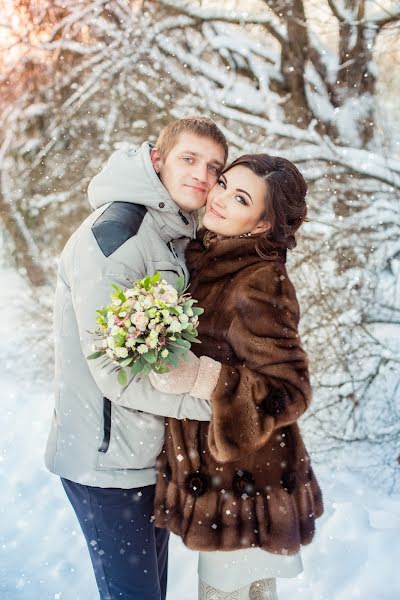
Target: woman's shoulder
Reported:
point(266, 276)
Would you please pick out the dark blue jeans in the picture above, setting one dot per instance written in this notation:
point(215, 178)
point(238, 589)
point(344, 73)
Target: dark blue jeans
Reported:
point(129, 555)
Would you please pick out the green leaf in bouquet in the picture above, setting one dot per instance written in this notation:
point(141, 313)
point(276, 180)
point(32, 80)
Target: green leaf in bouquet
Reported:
point(146, 282)
point(102, 316)
point(183, 343)
point(176, 349)
point(137, 367)
point(160, 369)
point(122, 377)
point(96, 354)
point(189, 303)
point(119, 293)
point(190, 338)
point(173, 359)
point(191, 331)
point(197, 311)
point(156, 278)
point(127, 361)
point(150, 357)
point(140, 340)
point(180, 284)
point(146, 369)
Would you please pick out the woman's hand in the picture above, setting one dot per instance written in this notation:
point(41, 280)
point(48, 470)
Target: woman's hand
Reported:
point(195, 376)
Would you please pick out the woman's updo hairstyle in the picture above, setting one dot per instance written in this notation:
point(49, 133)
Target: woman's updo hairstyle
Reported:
point(285, 205)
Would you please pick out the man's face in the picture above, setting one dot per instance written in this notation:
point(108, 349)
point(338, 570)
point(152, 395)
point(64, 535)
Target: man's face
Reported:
point(190, 169)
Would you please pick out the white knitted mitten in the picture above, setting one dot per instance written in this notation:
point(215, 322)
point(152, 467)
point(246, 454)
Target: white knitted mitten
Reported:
point(195, 376)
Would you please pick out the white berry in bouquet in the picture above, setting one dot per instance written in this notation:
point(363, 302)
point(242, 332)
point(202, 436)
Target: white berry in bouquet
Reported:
point(147, 327)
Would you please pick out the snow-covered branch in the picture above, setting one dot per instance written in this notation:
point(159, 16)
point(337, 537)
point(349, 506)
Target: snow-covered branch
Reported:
point(269, 21)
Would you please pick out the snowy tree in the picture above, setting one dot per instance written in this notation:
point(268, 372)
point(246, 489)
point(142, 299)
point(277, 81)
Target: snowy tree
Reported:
point(84, 76)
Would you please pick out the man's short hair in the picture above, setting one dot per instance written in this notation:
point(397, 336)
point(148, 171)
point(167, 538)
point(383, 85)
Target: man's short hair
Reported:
point(201, 126)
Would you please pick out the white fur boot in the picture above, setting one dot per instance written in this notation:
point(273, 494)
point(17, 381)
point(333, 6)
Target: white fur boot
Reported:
point(265, 589)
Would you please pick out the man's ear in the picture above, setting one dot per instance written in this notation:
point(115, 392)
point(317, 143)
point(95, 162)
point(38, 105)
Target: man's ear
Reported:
point(155, 159)
point(262, 227)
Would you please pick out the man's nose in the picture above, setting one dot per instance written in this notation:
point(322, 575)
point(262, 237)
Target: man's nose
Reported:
point(200, 173)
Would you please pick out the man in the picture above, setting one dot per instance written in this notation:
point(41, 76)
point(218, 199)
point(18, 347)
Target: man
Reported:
point(104, 439)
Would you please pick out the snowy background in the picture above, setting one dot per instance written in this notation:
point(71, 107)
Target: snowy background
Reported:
point(312, 80)
point(44, 556)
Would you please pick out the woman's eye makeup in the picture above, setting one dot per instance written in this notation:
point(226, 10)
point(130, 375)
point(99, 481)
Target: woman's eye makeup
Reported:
point(240, 199)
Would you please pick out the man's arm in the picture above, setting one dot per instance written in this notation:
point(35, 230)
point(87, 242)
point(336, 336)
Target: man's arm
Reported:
point(89, 293)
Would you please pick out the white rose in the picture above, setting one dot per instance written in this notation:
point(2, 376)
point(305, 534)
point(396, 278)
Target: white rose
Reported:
point(147, 302)
point(140, 320)
point(111, 342)
point(121, 352)
point(151, 343)
point(142, 349)
point(116, 330)
point(164, 353)
point(175, 326)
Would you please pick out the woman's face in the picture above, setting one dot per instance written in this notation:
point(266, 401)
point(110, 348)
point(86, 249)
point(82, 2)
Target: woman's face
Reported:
point(236, 203)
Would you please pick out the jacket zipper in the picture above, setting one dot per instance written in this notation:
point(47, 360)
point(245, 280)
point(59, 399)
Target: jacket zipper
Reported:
point(106, 425)
point(172, 249)
point(182, 216)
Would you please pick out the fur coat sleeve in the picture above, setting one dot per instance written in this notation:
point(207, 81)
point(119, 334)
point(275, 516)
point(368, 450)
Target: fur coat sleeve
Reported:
point(268, 386)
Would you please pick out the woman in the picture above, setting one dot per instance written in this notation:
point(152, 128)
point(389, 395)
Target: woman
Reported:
point(241, 489)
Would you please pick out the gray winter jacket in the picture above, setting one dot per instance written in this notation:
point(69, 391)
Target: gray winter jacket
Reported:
point(101, 434)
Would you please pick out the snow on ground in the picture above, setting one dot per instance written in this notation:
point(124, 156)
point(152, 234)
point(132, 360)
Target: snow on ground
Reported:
point(43, 554)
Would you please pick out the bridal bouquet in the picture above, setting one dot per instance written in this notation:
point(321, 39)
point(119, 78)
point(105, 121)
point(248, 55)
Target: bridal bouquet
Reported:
point(147, 327)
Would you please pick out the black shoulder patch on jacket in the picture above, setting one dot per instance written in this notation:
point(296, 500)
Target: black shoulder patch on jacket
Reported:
point(118, 223)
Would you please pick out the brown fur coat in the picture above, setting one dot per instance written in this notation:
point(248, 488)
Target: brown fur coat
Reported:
point(244, 479)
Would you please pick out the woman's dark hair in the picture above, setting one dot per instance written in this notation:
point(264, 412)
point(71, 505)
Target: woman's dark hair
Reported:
point(285, 205)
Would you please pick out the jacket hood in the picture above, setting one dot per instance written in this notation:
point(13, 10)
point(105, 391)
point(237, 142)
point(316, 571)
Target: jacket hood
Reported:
point(129, 176)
